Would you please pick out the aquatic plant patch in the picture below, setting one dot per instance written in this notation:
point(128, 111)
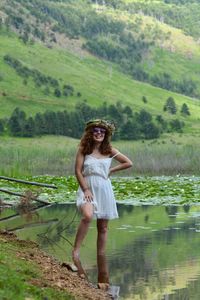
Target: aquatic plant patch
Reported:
point(134, 190)
point(158, 190)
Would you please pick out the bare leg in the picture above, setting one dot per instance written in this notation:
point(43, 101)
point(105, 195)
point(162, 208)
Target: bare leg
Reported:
point(87, 213)
point(103, 274)
point(102, 228)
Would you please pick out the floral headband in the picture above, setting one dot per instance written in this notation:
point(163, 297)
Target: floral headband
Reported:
point(108, 125)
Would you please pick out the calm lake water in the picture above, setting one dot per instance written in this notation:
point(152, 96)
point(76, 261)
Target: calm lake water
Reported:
point(153, 252)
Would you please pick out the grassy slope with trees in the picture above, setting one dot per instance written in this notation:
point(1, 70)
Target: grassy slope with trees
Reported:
point(92, 78)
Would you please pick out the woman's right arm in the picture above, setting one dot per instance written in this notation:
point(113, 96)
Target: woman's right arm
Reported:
point(79, 175)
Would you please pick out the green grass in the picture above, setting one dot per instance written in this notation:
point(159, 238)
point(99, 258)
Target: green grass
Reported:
point(45, 155)
point(179, 55)
point(97, 81)
point(16, 274)
point(175, 64)
point(55, 155)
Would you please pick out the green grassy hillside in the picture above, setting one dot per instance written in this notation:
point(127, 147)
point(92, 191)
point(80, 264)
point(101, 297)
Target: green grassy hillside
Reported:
point(97, 81)
point(181, 14)
point(174, 52)
point(94, 79)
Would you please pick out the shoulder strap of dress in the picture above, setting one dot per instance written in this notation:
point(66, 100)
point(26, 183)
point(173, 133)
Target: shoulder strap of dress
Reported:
point(116, 154)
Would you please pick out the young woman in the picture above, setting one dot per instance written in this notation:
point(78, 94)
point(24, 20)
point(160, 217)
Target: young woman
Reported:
point(95, 197)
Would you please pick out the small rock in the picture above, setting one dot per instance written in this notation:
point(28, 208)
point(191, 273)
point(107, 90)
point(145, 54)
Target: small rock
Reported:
point(69, 266)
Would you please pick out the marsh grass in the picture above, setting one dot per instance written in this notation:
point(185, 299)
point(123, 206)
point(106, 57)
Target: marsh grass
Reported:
point(39, 156)
point(158, 159)
point(171, 155)
point(56, 155)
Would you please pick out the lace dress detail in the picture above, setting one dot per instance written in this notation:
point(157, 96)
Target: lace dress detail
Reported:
point(96, 171)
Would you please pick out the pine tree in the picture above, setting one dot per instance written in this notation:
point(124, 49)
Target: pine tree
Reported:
point(170, 106)
point(176, 125)
point(144, 117)
point(150, 131)
point(130, 131)
point(162, 122)
point(29, 128)
point(185, 110)
point(14, 126)
point(17, 122)
point(128, 111)
point(57, 92)
point(40, 127)
point(144, 99)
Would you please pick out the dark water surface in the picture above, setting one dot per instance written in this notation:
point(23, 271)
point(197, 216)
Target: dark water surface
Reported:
point(153, 252)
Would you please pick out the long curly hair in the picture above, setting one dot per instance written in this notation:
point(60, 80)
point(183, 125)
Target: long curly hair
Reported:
point(87, 143)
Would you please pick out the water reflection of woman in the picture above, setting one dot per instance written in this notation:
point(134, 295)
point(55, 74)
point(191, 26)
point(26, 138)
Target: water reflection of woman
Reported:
point(103, 274)
point(95, 198)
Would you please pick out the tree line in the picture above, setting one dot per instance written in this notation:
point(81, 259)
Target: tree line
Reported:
point(50, 84)
point(164, 80)
point(130, 125)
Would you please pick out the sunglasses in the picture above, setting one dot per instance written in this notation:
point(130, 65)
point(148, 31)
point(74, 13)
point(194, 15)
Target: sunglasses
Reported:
point(98, 129)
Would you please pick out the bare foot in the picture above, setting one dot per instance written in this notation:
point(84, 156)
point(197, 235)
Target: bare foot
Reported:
point(77, 263)
point(103, 286)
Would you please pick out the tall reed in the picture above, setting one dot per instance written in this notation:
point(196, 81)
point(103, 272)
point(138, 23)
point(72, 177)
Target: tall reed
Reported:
point(40, 156)
point(162, 158)
point(56, 155)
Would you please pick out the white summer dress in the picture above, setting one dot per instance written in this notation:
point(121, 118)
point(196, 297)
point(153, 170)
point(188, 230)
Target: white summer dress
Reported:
point(96, 171)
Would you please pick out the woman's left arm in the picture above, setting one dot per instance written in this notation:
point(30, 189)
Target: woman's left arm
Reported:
point(124, 161)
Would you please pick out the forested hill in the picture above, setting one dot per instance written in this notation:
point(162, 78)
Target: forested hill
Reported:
point(136, 55)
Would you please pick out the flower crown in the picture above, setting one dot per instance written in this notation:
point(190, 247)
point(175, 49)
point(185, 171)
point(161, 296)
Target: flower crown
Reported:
point(108, 125)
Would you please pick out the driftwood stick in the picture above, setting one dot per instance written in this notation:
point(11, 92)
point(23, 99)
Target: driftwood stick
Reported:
point(29, 182)
point(9, 217)
point(21, 195)
point(4, 204)
point(17, 214)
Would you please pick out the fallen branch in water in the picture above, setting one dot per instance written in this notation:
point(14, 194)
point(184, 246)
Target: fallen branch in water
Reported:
point(23, 196)
point(18, 214)
point(4, 204)
point(29, 182)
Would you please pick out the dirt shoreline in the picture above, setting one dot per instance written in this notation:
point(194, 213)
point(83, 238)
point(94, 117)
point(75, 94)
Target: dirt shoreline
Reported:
point(54, 274)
